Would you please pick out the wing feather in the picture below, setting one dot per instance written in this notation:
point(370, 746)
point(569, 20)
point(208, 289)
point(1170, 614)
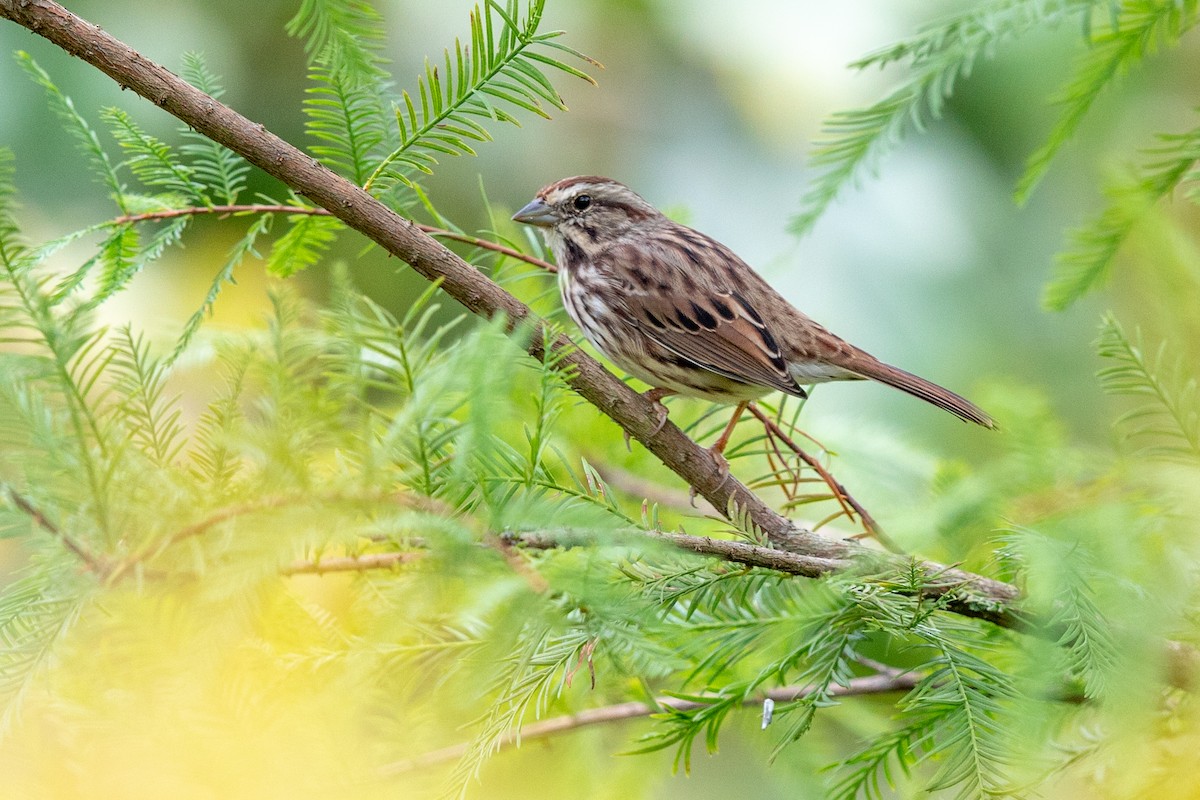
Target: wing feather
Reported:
point(689, 312)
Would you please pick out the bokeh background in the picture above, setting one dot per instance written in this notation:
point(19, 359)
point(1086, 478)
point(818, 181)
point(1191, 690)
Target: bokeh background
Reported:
point(708, 111)
point(707, 108)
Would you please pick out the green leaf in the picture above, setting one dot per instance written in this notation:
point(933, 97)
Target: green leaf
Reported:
point(243, 248)
point(153, 422)
point(152, 161)
point(221, 171)
point(345, 36)
point(350, 119)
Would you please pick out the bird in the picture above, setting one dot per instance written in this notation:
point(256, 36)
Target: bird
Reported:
point(682, 312)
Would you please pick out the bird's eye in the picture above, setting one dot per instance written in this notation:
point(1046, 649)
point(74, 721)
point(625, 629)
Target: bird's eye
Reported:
point(582, 202)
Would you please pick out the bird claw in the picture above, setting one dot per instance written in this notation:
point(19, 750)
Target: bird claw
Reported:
point(654, 396)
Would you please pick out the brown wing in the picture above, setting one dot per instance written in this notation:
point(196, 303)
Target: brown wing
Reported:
point(689, 310)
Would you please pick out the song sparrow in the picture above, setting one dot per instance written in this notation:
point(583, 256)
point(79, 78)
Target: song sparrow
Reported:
point(680, 311)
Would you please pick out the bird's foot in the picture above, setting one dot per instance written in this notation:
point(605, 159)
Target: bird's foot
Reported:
point(655, 396)
point(722, 470)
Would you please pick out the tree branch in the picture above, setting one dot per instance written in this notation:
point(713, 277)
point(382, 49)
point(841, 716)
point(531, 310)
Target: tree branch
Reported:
point(871, 684)
point(361, 563)
point(94, 562)
point(973, 595)
point(955, 588)
point(261, 208)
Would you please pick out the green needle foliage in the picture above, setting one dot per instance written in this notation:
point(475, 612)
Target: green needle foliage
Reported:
point(1167, 423)
point(355, 552)
point(938, 58)
point(1118, 37)
point(503, 67)
point(1087, 262)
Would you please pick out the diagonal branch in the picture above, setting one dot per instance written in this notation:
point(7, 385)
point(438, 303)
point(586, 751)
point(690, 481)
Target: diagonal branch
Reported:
point(261, 208)
point(974, 596)
point(871, 684)
point(950, 586)
point(94, 562)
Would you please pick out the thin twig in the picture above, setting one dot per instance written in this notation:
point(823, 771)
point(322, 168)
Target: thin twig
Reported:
point(222, 515)
point(844, 497)
point(948, 584)
point(962, 592)
point(93, 561)
point(361, 563)
point(260, 208)
point(871, 684)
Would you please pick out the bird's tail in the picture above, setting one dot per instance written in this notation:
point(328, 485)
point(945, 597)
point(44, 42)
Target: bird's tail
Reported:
point(926, 390)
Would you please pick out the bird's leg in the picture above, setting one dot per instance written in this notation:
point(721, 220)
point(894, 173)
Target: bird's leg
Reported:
point(718, 448)
point(655, 396)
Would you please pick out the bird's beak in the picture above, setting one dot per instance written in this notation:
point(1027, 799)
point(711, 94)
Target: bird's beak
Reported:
point(536, 213)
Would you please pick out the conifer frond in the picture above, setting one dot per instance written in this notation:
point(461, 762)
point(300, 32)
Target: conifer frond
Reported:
point(221, 171)
point(350, 119)
point(86, 137)
point(348, 105)
point(117, 259)
point(151, 160)
point(213, 454)
point(12, 248)
point(151, 420)
point(123, 255)
point(345, 35)
point(63, 345)
point(1087, 262)
point(550, 400)
point(1065, 578)
point(241, 249)
point(966, 696)
point(36, 611)
point(866, 773)
point(503, 65)
point(1167, 424)
point(786, 634)
point(955, 717)
point(1139, 29)
point(937, 58)
point(308, 238)
point(528, 681)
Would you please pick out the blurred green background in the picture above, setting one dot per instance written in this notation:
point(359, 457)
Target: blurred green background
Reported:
point(708, 109)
